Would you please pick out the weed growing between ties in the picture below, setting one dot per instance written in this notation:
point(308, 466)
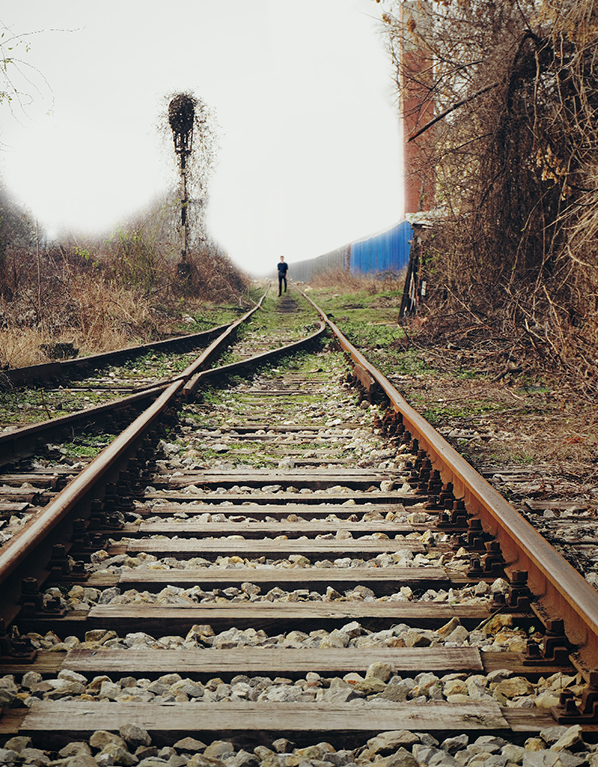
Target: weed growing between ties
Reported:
point(21, 407)
point(218, 409)
point(155, 365)
point(83, 447)
point(271, 322)
point(369, 316)
point(24, 407)
point(74, 452)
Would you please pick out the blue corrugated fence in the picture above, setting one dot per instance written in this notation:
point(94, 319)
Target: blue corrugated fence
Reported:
point(384, 252)
point(387, 251)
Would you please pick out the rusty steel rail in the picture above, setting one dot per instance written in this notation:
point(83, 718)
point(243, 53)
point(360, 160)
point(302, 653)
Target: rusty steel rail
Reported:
point(27, 540)
point(21, 545)
point(20, 442)
point(560, 591)
point(46, 370)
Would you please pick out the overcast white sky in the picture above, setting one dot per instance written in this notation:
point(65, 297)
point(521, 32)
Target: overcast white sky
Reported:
point(302, 90)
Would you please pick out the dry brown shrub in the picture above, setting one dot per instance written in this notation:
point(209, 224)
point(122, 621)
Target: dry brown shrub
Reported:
point(83, 299)
point(513, 157)
point(346, 282)
point(214, 277)
point(93, 315)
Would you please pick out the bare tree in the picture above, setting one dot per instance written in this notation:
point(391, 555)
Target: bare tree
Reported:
point(20, 81)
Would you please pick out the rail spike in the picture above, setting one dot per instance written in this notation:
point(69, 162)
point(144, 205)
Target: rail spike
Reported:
point(64, 568)
point(554, 648)
point(518, 598)
point(33, 604)
point(14, 647)
point(456, 518)
point(568, 712)
point(489, 564)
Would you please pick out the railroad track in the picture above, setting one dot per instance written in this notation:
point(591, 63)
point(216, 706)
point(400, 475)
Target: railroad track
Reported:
point(61, 446)
point(47, 391)
point(291, 568)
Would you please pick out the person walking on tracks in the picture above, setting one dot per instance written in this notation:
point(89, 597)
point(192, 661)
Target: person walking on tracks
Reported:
point(283, 268)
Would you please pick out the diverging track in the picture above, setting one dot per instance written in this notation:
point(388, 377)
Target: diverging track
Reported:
point(287, 570)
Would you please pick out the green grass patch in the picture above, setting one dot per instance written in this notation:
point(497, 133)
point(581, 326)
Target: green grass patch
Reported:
point(361, 308)
point(370, 335)
point(27, 406)
point(268, 320)
point(155, 364)
point(85, 446)
point(210, 316)
point(439, 413)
